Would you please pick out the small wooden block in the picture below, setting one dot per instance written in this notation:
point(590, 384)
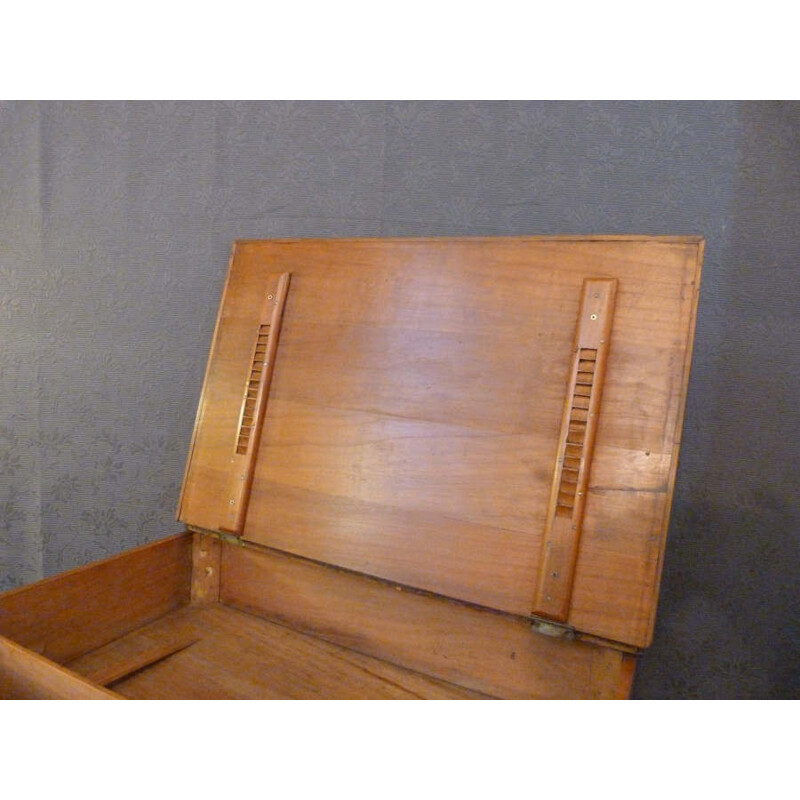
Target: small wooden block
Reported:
point(205, 569)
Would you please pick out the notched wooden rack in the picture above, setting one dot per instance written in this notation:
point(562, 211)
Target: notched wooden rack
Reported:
point(254, 404)
point(411, 457)
point(575, 447)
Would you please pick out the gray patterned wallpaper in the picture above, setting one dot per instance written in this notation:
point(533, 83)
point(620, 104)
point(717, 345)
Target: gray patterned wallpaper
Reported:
point(115, 225)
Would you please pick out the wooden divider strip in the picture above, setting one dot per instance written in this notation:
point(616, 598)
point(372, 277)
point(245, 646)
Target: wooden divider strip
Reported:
point(120, 659)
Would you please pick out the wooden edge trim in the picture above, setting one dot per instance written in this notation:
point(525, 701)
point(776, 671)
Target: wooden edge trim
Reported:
point(627, 674)
point(692, 239)
point(25, 675)
point(198, 419)
point(695, 266)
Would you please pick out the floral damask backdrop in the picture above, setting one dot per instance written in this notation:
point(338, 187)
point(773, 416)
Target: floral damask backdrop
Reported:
point(115, 225)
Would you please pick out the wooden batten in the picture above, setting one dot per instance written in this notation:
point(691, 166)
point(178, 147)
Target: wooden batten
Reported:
point(116, 662)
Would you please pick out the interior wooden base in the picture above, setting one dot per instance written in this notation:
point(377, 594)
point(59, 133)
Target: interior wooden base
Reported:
point(216, 652)
point(191, 617)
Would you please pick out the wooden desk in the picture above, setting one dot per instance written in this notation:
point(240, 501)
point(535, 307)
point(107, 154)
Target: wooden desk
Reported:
point(420, 468)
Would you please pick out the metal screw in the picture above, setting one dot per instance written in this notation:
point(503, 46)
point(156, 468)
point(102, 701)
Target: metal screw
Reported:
point(232, 502)
point(269, 297)
point(555, 574)
point(594, 316)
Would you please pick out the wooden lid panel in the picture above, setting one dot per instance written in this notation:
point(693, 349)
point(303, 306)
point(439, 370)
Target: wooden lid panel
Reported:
point(413, 419)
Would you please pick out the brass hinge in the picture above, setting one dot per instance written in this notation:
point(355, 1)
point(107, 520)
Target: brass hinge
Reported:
point(554, 630)
point(225, 537)
point(557, 630)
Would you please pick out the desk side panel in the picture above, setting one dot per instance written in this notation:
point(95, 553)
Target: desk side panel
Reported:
point(24, 675)
point(67, 615)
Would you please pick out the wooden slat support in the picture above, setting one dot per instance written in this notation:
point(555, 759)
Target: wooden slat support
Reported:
point(575, 446)
point(254, 405)
point(104, 669)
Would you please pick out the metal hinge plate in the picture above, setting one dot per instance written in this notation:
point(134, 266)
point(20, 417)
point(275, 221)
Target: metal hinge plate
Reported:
point(554, 630)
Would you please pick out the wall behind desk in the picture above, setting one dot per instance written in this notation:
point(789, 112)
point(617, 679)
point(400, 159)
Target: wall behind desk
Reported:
point(116, 221)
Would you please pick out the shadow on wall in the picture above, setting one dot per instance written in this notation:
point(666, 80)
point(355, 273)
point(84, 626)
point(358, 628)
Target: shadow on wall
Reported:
point(729, 617)
point(730, 609)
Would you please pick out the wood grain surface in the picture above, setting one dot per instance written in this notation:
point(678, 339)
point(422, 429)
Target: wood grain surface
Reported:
point(213, 652)
point(576, 440)
point(25, 675)
point(481, 650)
point(69, 614)
point(415, 409)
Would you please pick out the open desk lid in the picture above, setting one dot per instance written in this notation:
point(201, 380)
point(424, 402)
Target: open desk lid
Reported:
point(494, 420)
